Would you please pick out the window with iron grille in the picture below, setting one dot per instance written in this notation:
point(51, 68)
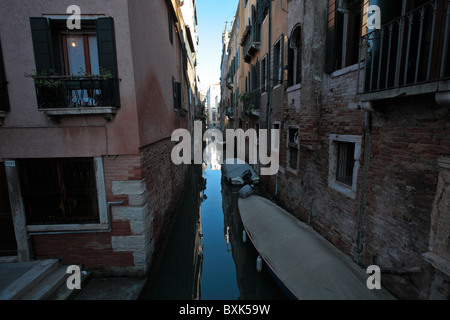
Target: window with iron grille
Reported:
point(59, 191)
point(345, 162)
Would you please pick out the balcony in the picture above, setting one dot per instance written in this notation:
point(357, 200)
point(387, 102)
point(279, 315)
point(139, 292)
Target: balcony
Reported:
point(251, 43)
point(409, 55)
point(75, 95)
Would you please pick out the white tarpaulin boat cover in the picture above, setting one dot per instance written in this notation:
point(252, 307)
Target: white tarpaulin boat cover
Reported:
point(305, 262)
point(234, 170)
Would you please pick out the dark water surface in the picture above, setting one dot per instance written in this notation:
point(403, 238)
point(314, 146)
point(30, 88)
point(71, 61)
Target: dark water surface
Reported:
point(205, 257)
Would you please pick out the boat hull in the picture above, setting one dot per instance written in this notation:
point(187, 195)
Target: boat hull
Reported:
point(307, 265)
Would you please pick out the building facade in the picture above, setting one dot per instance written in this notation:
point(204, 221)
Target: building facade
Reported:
point(363, 113)
point(213, 105)
point(87, 116)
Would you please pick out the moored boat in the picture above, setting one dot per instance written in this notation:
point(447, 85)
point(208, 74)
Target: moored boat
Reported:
point(306, 264)
point(235, 170)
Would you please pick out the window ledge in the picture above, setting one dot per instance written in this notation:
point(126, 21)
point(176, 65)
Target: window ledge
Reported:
point(79, 111)
point(342, 188)
point(67, 228)
point(294, 88)
point(107, 112)
point(439, 262)
point(292, 170)
point(256, 113)
point(277, 86)
point(344, 71)
point(424, 88)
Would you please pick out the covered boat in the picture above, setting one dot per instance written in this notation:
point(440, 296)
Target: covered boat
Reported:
point(235, 169)
point(306, 264)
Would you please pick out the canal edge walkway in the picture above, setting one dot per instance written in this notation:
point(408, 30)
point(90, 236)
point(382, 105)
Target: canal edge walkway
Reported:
point(46, 280)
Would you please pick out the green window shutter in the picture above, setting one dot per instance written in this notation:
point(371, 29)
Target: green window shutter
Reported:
point(58, 66)
point(331, 37)
point(4, 99)
point(334, 37)
point(107, 54)
point(42, 45)
point(107, 45)
point(282, 59)
point(276, 61)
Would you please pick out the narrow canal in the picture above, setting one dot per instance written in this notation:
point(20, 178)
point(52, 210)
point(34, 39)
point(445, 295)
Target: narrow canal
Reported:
point(205, 257)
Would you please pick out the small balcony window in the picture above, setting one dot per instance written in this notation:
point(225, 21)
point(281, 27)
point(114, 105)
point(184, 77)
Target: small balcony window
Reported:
point(75, 69)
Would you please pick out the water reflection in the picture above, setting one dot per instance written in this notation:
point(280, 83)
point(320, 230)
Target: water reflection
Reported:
point(206, 257)
point(179, 268)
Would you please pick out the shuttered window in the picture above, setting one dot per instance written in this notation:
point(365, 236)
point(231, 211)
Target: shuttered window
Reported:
point(278, 61)
point(107, 55)
point(343, 16)
point(4, 99)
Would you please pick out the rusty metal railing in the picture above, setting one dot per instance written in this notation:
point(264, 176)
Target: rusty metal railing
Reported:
point(410, 50)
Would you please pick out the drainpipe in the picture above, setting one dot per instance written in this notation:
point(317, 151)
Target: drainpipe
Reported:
point(269, 93)
point(364, 186)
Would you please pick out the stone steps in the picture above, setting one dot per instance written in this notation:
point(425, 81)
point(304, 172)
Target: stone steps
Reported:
point(45, 279)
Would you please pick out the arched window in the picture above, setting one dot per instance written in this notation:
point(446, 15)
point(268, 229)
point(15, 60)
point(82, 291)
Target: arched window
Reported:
point(295, 56)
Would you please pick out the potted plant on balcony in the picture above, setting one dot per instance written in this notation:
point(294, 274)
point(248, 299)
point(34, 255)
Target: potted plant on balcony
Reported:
point(45, 80)
point(245, 99)
point(49, 88)
point(200, 116)
point(181, 112)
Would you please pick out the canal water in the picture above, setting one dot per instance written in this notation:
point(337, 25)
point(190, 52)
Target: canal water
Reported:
point(205, 256)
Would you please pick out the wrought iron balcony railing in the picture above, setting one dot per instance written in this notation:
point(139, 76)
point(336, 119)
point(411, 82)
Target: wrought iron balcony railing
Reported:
point(410, 50)
point(61, 92)
point(251, 43)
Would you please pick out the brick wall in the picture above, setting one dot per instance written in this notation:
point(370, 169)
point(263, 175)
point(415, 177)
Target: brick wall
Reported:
point(305, 193)
point(164, 182)
point(408, 137)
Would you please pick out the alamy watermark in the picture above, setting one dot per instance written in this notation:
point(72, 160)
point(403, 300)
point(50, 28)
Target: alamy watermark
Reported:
point(374, 18)
point(374, 281)
point(213, 152)
point(74, 21)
